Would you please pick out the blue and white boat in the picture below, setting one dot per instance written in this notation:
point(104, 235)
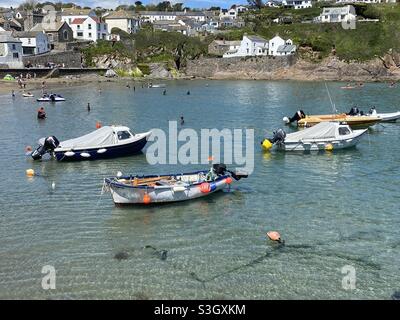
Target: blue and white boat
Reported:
point(53, 97)
point(156, 189)
point(106, 142)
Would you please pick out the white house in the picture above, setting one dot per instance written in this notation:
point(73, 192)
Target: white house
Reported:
point(90, 28)
point(69, 15)
point(337, 14)
point(10, 51)
point(297, 4)
point(33, 42)
point(249, 46)
point(228, 13)
point(276, 46)
point(123, 20)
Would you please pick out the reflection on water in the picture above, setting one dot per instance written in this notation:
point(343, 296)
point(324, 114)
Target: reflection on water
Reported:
point(332, 209)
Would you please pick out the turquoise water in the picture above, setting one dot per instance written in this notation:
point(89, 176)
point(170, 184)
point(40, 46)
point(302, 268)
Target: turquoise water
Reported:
point(332, 209)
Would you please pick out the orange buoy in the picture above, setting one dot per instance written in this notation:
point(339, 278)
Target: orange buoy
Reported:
point(205, 187)
point(274, 236)
point(146, 199)
point(98, 125)
point(228, 180)
point(30, 172)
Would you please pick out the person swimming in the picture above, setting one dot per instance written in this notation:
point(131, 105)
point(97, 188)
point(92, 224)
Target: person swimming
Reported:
point(13, 94)
point(88, 107)
point(188, 93)
point(164, 92)
point(41, 113)
point(182, 121)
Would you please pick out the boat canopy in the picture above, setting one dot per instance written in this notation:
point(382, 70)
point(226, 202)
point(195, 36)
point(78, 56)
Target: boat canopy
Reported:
point(105, 136)
point(322, 130)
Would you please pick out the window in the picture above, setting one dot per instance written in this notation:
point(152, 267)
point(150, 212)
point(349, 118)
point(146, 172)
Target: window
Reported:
point(123, 135)
point(78, 27)
point(13, 47)
point(65, 35)
point(89, 26)
point(29, 40)
point(69, 21)
point(344, 131)
point(98, 27)
point(90, 35)
point(15, 55)
point(80, 34)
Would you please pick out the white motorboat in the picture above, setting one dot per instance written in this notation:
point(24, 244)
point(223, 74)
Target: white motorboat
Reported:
point(51, 98)
point(385, 117)
point(323, 136)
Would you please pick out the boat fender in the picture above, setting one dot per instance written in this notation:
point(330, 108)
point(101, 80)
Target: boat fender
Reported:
point(101, 150)
point(228, 180)
point(329, 147)
point(205, 187)
point(69, 153)
point(266, 144)
point(146, 199)
point(85, 155)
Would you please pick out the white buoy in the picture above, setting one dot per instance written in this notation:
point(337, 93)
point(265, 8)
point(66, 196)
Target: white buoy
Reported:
point(53, 185)
point(119, 174)
point(286, 120)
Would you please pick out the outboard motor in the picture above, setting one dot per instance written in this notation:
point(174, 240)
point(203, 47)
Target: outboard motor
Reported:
point(219, 169)
point(279, 136)
point(49, 144)
point(297, 116)
point(354, 111)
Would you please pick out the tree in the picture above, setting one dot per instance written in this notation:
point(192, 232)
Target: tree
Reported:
point(256, 3)
point(177, 7)
point(214, 9)
point(138, 3)
point(28, 5)
point(164, 6)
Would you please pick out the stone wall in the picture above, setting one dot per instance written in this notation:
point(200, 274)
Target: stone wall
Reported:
point(238, 68)
point(70, 59)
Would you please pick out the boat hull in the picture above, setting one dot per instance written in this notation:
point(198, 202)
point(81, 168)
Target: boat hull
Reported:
point(319, 145)
point(389, 117)
point(355, 122)
point(123, 194)
point(101, 153)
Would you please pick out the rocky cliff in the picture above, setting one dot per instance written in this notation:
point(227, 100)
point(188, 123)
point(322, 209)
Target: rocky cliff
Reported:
point(384, 68)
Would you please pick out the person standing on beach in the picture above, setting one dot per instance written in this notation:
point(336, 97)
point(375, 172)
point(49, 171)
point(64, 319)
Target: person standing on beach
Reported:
point(13, 93)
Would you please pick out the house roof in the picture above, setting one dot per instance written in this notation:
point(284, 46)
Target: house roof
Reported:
point(54, 27)
point(76, 12)
point(6, 37)
point(286, 48)
point(120, 14)
point(25, 34)
point(78, 20)
point(256, 38)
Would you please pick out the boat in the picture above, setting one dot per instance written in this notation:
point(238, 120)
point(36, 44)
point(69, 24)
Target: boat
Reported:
point(157, 85)
point(385, 117)
point(51, 98)
point(105, 142)
point(355, 121)
point(157, 189)
point(324, 136)
point(28, 95)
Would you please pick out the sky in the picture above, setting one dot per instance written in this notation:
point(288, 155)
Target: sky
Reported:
point(114, 3)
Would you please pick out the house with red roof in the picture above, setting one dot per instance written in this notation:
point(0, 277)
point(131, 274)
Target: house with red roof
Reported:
point(85, 24)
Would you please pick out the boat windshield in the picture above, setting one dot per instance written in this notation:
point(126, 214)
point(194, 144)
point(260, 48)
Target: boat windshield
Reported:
point(123, 135)
point(344, 131)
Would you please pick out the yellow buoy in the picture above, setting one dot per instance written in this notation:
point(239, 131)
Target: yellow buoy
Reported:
point(329, 147)
point(30, 172)
point(266, 144)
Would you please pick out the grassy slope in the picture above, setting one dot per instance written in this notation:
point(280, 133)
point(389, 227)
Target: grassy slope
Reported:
point(368, 40)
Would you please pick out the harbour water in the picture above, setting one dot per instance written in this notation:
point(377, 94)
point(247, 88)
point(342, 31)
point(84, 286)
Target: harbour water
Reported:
point(333, 209)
